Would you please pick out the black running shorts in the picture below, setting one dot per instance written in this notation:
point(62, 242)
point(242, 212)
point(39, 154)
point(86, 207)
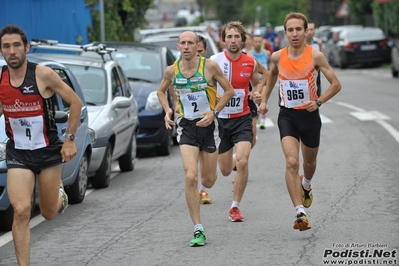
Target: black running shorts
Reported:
point(34, 160)
point(206, 138)
point(303, 125)
point(235, 130)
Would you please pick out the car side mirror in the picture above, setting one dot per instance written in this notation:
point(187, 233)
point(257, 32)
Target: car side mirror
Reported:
point(61, 117)
point(120, 102)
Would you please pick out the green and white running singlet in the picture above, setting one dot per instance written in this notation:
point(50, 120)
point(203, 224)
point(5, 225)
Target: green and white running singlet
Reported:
point(195, 95)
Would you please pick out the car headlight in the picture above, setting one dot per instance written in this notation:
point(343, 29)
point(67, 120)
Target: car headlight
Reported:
point(2, 151)
point(92, 134)
point(152, 102)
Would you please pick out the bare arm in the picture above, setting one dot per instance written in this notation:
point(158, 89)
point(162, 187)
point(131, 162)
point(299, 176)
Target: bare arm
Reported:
point(50, 82)
point(162, 97)
point(271, 81)
point(320, 62)
point(320, 43)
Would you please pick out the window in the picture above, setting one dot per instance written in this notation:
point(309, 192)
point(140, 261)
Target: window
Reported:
point(116, 84)
point(65, 106)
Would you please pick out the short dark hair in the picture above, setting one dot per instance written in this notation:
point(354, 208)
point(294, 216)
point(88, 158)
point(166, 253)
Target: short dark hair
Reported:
point(202, 39)
point(296, 15)
point(13, 29)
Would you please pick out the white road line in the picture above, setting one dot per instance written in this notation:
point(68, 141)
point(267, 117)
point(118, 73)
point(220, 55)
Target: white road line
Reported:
point(7, 237)
point(325, 119)
point(391, 130)
point(376, 116)
point(269, 122)
point(349, 106)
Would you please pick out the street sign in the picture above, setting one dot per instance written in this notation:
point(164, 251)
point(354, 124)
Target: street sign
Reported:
point(343, 10)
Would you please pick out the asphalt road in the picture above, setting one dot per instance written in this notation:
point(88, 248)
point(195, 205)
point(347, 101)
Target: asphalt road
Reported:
point(142, 218)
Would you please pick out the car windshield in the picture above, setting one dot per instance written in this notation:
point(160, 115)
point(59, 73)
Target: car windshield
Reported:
point(365, 35)
point(93, 83)
point(171, 44)
point(140, 65)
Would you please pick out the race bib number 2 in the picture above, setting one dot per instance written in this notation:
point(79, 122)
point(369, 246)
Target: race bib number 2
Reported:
point(28, 132)
point(194, 103)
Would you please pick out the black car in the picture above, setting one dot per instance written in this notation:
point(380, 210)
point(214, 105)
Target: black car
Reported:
point(367, 45)
point(144, 65)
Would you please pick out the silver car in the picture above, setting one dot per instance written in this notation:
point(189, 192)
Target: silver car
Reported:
point(169, 36)
point(113, 114)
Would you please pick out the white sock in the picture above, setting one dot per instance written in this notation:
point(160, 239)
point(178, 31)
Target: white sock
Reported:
point(235, 204)
point(198, 227)
point(201, 187)
point(300, 208)
point(305, 182)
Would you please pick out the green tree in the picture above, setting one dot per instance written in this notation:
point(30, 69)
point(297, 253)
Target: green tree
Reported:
point(392, 16)
point(121, 18)
point(358, 10)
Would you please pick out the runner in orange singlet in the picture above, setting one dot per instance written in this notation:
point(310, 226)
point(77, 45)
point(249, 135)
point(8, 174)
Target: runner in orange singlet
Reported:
point(299, 121)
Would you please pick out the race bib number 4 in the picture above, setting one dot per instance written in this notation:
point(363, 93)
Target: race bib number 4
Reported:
point(296, 92)
point(194, 103)
point(28, 132)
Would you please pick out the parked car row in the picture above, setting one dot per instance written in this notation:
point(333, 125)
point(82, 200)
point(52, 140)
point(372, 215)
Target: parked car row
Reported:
point(355, 44)
point(144, 65)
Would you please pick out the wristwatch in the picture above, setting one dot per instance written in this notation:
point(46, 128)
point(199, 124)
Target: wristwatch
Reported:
point(319, 103)
point(216, 113)
point(70, 136)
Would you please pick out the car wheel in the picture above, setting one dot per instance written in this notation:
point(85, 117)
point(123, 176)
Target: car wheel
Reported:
point(7, 216)
point(77, 191)
point(164, 148)
point(103, 175)
point(128, 160)
point(395, 73)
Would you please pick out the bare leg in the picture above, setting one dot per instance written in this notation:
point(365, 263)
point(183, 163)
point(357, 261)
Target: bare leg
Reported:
point(309, 161)
point(190, 157)
point(243, 150)
point(20, 184)
point(291, 151)
point(50, 199)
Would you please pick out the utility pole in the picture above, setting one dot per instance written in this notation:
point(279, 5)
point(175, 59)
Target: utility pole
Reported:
point(102, 23)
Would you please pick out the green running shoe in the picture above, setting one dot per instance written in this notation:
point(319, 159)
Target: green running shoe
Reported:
point(198, 239)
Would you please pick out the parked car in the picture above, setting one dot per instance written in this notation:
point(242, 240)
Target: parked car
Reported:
point(330, 36)
point(366, 45)
point(169, 37)
point(74, 173)
point(395, 58)
point(144, 65)
point(113, 113)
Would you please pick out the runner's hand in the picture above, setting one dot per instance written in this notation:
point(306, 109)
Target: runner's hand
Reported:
point(256, 97)
point(68, 150)
point(169, 122)
point(206, 120)
point(263, 108)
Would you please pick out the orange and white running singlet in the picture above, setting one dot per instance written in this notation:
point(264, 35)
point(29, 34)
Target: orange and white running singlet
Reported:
point(238, 73)
point(297, 79)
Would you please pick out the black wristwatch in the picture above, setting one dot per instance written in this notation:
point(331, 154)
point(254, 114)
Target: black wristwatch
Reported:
point(70, 136)
point(216, 113)
point(319, 103)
